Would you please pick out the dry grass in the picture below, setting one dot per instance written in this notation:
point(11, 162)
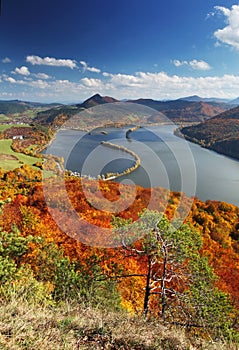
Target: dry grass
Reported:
point(29, 327)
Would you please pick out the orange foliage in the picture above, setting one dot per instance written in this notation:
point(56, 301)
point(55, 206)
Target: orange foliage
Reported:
point(218, 223)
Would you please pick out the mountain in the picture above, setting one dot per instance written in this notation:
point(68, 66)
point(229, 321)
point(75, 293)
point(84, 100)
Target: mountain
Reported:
point(196, 98)
point(184, 111)
point(97, 100)
point(58, 115)
point(235, 101)
point(161, 105)
point(16, 106)
point(176, 110)
point(220, 133)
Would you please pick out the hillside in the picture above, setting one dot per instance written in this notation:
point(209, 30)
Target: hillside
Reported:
point(49, 277)
point(183, 110)
point(97, 100)
point(196, 98)
point(16, 106)
point(25, 326)
point(235, 101)
point(220, 133)
point(177, 111)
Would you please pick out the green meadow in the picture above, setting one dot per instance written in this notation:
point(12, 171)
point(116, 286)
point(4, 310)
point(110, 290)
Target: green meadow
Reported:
point(4, 127)
point(20, 158)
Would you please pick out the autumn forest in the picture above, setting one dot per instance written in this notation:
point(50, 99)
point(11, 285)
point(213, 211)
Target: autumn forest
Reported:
point(143, 261)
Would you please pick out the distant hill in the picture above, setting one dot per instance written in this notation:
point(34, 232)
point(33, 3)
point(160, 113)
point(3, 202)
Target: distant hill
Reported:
point(185, 111)
point(220, 133)
point(97, 100)
point(16, 106)
point(235, 101)
point(176, 110)
point(58, 115)
point(196, 98)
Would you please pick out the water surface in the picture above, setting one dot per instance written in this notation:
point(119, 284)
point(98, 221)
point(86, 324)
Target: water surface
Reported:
point(166, 160)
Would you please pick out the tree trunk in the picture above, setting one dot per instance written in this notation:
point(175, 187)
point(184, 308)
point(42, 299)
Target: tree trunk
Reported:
point(147, 287)
point(164, 276)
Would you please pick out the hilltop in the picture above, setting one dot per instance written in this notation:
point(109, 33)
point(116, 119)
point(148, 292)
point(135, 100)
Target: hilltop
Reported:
point(220, 133)
point(97, 100)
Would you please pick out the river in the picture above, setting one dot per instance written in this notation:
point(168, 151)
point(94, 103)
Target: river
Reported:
point(166, 161)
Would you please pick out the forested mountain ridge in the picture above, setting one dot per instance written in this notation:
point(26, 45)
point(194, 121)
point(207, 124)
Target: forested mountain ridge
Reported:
point(185, 111)
point(176, 110)
point(16, 106)
point(220, 133)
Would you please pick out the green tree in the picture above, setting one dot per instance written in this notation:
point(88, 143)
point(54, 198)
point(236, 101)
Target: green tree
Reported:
point(175, 274)
point(85, 283)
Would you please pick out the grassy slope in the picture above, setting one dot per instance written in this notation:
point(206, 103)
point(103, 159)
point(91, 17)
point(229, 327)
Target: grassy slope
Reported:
point(4, 127)
point(72, 327)
point(5, 148)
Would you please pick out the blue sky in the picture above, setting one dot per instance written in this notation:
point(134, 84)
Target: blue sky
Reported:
point(66, 51)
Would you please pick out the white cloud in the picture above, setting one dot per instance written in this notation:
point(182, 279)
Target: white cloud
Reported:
point(157, 86)
point(179, 63)
point(92, 83)
point(15, 81)
point(40, 84)
point(195, 64)
point(199, 65)
point(93, 69)
point(51, 61)
point(6, 60)
point(230, 33)
point(163, 86)
point(42, 76)
point(23, 71)
point(90, 69)
point(10, 80)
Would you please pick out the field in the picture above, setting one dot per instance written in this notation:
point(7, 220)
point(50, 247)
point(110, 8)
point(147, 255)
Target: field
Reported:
point(17, 158)
point(3, 117)
point(4, 127)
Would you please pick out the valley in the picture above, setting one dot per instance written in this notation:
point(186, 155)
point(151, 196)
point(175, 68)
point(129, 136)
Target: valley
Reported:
point(70, 238)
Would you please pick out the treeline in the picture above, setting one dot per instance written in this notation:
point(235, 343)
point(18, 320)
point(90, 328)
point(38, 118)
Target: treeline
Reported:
point(219, 133)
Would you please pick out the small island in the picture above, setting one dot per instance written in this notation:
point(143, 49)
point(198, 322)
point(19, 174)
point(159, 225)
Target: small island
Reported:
point(111, 176)
point(128, 132)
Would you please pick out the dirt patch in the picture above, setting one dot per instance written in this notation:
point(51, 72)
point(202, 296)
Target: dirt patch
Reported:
point(7, 157)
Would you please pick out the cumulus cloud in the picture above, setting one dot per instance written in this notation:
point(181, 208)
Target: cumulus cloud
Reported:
point(157, 86)
point(179, 63)
point(230, 33)
point(22, 70)
point(51, 61)
point(6, 60)
point(90, 69)
point(10, 80)
point(194, 64)
point(199, 65)
point(163, 86)
point(42, 76)
point(90, 82)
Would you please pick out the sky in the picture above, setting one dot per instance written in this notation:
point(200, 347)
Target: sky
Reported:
point(66, 51)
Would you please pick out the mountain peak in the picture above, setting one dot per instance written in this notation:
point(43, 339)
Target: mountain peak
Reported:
point(97, 99)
